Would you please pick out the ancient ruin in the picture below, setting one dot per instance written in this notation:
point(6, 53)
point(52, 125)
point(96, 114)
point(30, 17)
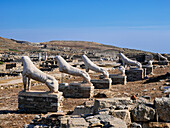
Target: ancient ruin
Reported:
point(80, 89)
point(162, 57)
point(102, 83)
point(38, 101)
point(127, 61)
point(66, 68)
point(31, 72)
point(90, 65)
point(119, 78)
point(82, 99)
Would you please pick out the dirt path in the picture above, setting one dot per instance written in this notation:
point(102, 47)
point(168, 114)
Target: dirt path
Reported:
point(13, 81)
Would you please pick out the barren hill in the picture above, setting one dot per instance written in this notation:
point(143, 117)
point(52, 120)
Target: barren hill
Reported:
point(90, 45)
point(10, 45)
point(65, 47)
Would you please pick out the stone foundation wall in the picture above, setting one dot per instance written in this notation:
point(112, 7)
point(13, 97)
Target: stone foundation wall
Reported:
point(40, 101)
point(134, 74)
point(163, 63)
point(102, 83)
point(118, 79)
point(77, 90)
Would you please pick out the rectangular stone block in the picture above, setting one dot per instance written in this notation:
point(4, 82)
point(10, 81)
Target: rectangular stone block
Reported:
point(77, 90)
point(148, 69)
point(134, 74)
point(163, 63)
point(118, 79)
point(122, 114)
point(110, 102)
point(78, 110)
point(102, 83)
point(39, 101)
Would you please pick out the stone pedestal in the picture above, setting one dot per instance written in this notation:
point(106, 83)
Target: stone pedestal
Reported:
point(102, 83)
point(38, 101)
point(149, 69)
point(163, 63)
point(118, 79)
point(77, 90)
point(134, 74)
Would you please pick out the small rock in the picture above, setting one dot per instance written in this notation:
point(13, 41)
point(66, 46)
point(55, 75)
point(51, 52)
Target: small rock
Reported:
point(145, 90)
point(120, 107)
point(127, 94)
point(104, 111)
point(167, 83)
point(154, 89)
point(161, 80)
point(147, 97)
point(37, 117)
point(135, 125)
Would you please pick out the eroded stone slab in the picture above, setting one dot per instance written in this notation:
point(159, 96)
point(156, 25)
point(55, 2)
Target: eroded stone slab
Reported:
point(134, 74)
point(77, 90)
point(118, 79)
point(39, 101)
point(111, 102)
point(102, 83)
point(162, 106)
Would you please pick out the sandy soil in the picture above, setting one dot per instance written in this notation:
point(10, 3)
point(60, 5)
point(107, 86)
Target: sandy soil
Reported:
point(11, 117)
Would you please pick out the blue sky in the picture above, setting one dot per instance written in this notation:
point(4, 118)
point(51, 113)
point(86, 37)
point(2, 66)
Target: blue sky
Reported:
point(139, 24)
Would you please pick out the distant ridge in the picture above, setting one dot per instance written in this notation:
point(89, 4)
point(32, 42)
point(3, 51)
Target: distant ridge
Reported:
point(11, 45)
point(18, 45)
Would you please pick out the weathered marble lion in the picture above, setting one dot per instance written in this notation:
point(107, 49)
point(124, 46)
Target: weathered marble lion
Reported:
point(90, 65)
point(32, 72)
point(128, 61)
point(162, 57)
point(67, 68)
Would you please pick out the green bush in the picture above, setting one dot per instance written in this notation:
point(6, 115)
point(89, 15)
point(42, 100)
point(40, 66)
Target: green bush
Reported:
point(1, 62)
point(14, 50)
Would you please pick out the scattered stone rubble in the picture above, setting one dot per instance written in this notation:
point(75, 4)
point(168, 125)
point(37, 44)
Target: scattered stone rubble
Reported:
point(111, 112)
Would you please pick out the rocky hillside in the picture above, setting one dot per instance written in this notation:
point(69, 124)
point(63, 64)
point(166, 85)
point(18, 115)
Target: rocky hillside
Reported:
point(90, 45)
point(65, 47)
point(10, 45)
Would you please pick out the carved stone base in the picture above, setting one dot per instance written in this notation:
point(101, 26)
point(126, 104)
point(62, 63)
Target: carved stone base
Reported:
point(163, 63)
point(77, 90)
point(149, 69)
point(118, 79)
point(102, 83)
point(38, 101)
point(134, 74)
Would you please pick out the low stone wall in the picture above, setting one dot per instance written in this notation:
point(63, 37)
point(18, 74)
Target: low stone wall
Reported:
point(102, 83)
point(161, 62)
point(77, 90)
point(34, 101)
point(135, 74)
point(118, 79)
point(111, 103)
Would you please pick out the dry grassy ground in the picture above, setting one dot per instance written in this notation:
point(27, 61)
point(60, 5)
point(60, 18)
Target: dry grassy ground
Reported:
point(11, 117)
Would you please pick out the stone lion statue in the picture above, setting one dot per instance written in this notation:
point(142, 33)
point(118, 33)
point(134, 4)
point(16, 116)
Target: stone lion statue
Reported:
point(90, 65)
point(67, 68)
point(128, 61)
point(30, 71)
